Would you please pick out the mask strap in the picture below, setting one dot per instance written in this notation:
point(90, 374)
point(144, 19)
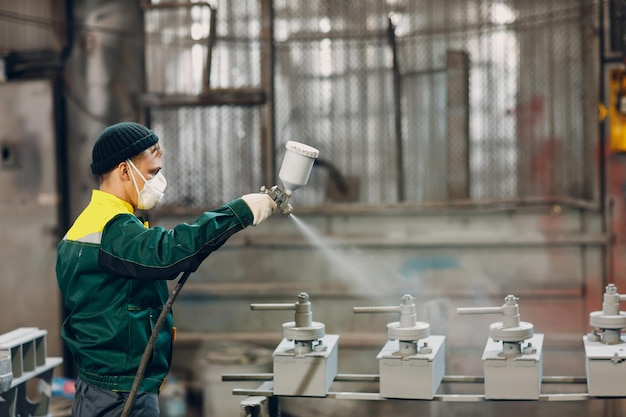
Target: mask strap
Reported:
point(128, 161)
point(132, 176)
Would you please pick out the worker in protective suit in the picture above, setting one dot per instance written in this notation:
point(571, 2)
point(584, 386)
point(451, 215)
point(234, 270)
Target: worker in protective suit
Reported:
point(112, 270)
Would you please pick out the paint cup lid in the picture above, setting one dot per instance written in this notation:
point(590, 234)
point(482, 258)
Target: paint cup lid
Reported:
point(302, 149)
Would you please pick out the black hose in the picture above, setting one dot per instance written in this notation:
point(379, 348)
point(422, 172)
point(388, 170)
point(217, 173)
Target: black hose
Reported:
point(150, 346)
point(334, 174)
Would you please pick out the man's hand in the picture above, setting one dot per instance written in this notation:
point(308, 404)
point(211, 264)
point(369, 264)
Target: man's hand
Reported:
point(261, 206)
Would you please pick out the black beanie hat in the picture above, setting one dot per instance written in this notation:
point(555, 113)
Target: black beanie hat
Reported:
point(118, 143)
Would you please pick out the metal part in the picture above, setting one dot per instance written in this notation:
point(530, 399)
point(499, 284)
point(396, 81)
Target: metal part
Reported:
point(408, 329)
point(266, 390)
point(297, 164)
point(257, 406)
point(281, 198)
point(294, 173)
point(510, 329)
point(456, 379)
point(610, 318)
point(6, 374)
point(412, 362)
point(412, 372)
point(397, 106)
point(25, 351)
point(512, 371)
point(305, 373)
point(604, 347)
point(303, 330)
point(305, 361)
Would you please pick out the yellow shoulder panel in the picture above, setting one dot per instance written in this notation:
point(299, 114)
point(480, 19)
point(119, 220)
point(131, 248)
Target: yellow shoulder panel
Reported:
point(102, 208)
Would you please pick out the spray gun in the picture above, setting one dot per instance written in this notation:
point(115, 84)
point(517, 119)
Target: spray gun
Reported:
point(294, 173)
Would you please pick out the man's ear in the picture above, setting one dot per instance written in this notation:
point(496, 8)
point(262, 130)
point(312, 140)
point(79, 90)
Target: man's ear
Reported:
point(123, 170)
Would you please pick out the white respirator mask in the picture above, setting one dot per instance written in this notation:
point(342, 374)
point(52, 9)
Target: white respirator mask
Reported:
point(153, 189)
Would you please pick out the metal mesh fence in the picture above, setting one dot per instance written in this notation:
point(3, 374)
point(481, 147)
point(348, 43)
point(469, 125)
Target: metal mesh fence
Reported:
point(524, 111)
point(176, 49)
point(508, 126)
point(342, 109)
point(211, 154)
point(177, 44)
point(236, 53)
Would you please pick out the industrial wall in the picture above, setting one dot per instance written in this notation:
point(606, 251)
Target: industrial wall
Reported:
point(30, 50)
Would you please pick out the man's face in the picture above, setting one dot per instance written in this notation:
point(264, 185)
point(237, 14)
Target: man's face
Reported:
point(149, 164)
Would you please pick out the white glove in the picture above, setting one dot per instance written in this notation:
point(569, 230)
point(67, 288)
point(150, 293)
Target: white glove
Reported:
point(261, 206)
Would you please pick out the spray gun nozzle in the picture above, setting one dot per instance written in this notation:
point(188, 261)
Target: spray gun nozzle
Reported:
point(281, 198)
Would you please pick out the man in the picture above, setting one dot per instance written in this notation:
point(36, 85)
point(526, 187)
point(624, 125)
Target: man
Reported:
point(112, 271)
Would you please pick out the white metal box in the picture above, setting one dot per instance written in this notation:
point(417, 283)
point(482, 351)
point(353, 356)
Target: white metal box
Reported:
point(307, 375)
point(414, 377)
point(606, 368)
point(513, 378)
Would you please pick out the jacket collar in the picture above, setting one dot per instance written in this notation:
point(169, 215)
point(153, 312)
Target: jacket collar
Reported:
point(107, 199)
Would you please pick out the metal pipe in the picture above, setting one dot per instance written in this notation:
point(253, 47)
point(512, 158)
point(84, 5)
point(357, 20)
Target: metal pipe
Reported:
point(450, 379)
point(291, 306)
point(148, 5)
point(206, 85)
point(147, 353)
point(479, 310)
point(359, 310)
point(397, 102)
point(374, 396)
point(304, 313)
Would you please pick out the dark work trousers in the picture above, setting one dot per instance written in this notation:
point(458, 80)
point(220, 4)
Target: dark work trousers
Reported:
point(95, 402)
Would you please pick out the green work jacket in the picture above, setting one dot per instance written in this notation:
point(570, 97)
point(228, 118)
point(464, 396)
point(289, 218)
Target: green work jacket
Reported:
point(112, 271)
